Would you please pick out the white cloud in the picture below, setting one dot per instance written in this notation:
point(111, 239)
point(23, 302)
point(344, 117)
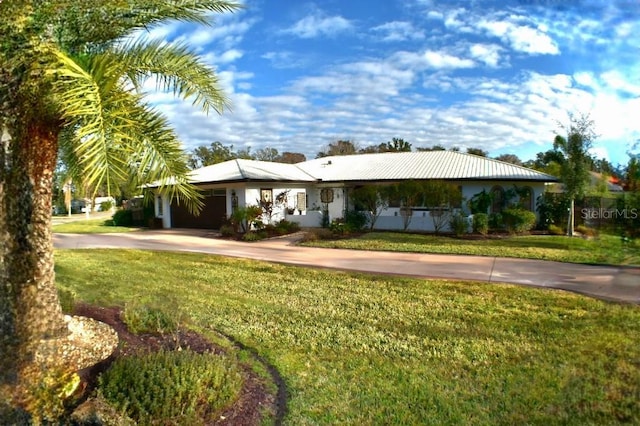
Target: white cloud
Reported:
point(398, 31)
point(318, 24)
point(489, 54)
point(441, 60)
point(521, 38)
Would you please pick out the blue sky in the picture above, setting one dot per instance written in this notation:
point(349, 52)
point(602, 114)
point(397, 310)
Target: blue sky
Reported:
point(497, 75)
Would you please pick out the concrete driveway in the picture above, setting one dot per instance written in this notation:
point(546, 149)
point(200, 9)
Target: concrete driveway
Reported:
point(612, 283)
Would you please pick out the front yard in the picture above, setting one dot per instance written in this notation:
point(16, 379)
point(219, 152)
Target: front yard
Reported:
point(360, 349)
point(605, 249)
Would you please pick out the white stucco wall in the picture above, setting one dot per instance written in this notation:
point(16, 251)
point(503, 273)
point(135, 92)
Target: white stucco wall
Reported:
point(389, 219)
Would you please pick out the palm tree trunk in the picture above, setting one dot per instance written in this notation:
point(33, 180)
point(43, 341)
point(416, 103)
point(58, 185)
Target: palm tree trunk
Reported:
point(30, 311)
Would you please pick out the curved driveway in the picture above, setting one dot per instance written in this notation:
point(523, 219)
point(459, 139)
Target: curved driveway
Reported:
point(603, 282)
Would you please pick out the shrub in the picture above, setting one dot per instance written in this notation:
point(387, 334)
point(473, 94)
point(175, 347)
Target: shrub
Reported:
point(227, 231)
point(458, 224)
point(338, 226)
point(243, 217)
point(106, 206)
point(144, 319)
point(586, 231)
point(318, 234)
point(495, 222)
point(481, 223)
point(178, 387)
point(518, 220)
point(287, 226)
point(355, 220)
point(480, 202)
point(123, 218)
point(253, 236)
point(556, 230)
point(552, 209)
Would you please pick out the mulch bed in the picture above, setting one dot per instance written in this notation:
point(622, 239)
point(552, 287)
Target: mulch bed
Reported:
point(253, 403)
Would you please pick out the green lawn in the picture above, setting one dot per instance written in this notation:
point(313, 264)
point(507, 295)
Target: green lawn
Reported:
point(359, 349)
point(606, 249)
point(91, 226)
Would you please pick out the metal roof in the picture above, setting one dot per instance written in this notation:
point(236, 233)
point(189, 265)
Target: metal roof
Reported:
point(239, 170)
point(392, 166)
point(418, 165)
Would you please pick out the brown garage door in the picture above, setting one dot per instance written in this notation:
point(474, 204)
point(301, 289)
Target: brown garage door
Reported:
point(212, 215)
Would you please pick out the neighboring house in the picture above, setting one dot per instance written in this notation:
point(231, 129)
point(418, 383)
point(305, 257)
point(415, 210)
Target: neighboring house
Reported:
point(304, 187)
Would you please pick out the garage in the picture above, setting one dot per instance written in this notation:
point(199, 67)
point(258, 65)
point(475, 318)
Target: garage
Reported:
point(212, 216)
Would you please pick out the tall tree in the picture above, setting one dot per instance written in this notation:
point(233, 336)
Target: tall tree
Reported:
point(575, 164)
point(69, 75)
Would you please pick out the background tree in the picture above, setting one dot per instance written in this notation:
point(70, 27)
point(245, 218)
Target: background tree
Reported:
point(266, 154)
point(213, 154)
point(398, 145)
point(548, 162)
point(340, 147)
point(510, 158)
point(68, 74)
point(437, 147)
point(477, 151)
point(574, 167)
point(245, 154)
point(291, 158)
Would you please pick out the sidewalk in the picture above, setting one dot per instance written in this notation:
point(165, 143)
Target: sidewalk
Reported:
point(604, 282)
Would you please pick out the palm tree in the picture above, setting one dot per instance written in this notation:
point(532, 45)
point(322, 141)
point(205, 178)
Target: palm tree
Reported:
point(70, 78)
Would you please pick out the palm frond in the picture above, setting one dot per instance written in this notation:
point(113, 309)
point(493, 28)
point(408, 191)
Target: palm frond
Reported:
point(157, 156)
point(97, 108)
point(177, 70)
point(92, 25)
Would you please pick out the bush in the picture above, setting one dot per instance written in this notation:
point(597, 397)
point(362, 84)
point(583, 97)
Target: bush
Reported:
point(144, 319)
point(481, 223)
point(227, 231)
point(106, 206)
point(123, 218)
point(556, 230)
point(243, 217)
point(355, 220)
point(495, 222)
point(318, 234)
point(459, 224)
point(586, 231)
point(178, 387)
point(287, 226)
point(552, 209)
point(518, 220)
point(252, 236)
